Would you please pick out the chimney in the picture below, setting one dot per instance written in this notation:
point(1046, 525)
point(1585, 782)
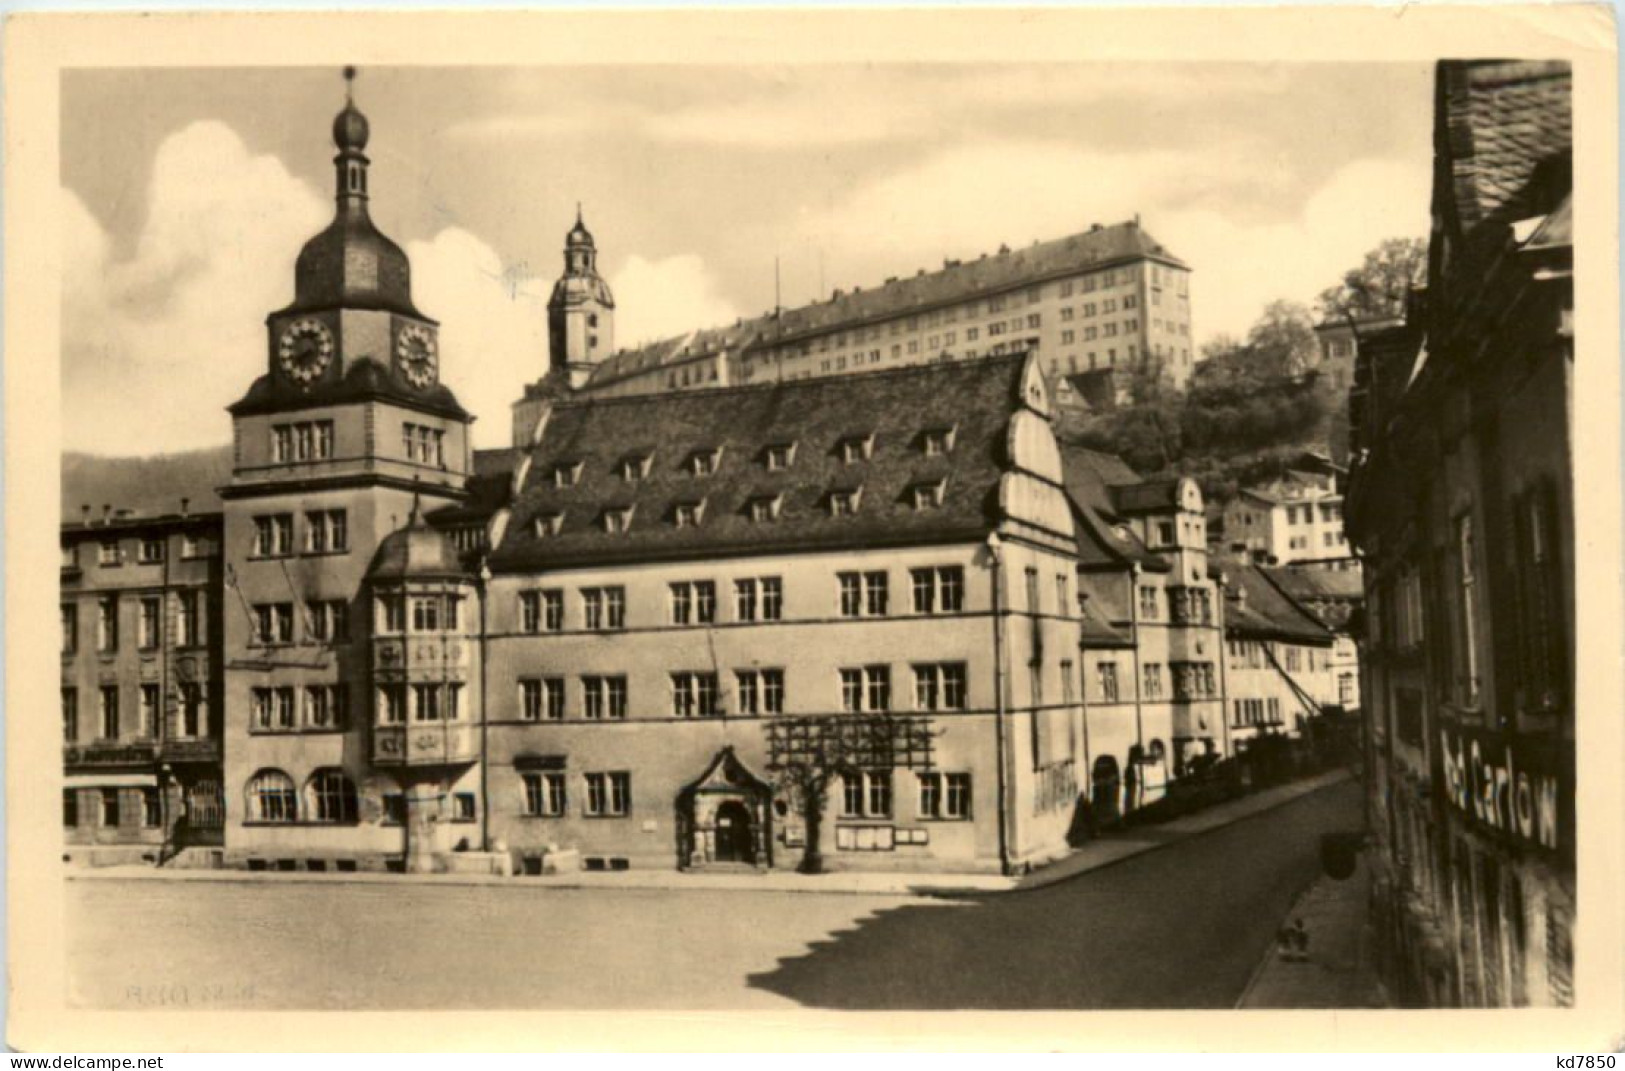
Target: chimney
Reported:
point(1093, 227)
point(107, 514)
point(1003, 249)
point(186, 506)
point(84, 513)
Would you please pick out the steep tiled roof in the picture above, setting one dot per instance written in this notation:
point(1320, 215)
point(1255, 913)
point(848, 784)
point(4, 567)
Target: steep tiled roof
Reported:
point(1329, 594)
point(974, 398)
point(1501, 121)
point(956, 282)
point(1090, 478)
point(1265, 611)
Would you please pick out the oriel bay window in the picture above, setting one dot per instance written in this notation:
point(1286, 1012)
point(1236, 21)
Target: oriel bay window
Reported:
point(391, 614)
point(392, 704)
point(436, 702)
point(694, 695)
point(609, 795)
point(435, 613)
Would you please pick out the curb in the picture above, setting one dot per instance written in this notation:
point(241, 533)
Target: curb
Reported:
point(1153, 846)
point(942, 889)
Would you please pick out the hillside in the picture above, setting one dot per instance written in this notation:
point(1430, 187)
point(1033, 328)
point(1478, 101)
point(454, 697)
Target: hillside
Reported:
point(1226, 433)
point(147, 485)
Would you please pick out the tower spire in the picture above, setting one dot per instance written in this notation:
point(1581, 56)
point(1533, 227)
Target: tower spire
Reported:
point(350, 133)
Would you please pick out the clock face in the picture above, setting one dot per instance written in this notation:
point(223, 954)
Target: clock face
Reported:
point(414, 353)
point(304, 350)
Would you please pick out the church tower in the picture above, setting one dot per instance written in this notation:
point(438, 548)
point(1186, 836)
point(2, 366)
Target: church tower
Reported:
point(348, 437)
point(581, 312)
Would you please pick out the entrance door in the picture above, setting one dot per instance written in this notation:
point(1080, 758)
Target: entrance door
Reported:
point(734, 840)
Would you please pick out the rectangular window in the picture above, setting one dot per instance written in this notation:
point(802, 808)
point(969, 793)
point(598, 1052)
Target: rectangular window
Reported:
point(945, 796)
point(542, 700)
point(107, 553)
point(1063, 595)
point(694, 695)
point(772, 593)
point(1152, 684)
point(603, 608)
point(1467, 682)
point(391, 704)
point(152, 551)
point(70, 807)
point(609, 795)
point(190, 618)
point(107, 623)
point(147, 727)
point(866, 794)
point(541, 611)
point(328, 620)
point(282, 443)
point(110, 814)
point(391, 613)
point(544, 794)
point(70, 714)
point(194, 710)
point(273, 535)
point(939, 686)
point(1107, 680)
point(1150, 607)
point(327, 531)
point(273, 623)
point(760, 691)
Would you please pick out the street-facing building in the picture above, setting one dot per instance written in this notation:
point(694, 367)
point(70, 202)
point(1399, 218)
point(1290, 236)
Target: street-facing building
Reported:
point(1461, 503)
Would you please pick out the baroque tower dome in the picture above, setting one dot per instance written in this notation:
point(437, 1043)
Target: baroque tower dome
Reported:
point(351, 264)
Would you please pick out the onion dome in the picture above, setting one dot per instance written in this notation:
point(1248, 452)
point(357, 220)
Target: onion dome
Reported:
point(581, 282)
point(351, 264)
point(416, 552)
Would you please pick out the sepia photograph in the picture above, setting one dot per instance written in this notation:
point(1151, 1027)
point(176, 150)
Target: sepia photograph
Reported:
point(891, 534)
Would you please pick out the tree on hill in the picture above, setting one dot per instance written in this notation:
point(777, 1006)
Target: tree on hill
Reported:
point(1283, 340)
point(1380, 285)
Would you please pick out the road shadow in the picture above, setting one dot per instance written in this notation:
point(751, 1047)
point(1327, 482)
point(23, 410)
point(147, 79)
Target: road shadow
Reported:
point(1181, 927)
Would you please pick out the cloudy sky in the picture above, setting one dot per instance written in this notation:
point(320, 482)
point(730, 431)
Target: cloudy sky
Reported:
point(188, 194)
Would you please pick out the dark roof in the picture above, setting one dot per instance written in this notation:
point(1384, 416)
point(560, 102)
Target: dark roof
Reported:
point(1090, 478)
point(487, 489)
point(74, 529)
point(978, 397)
point(1330, 594)
point(352, 265)
point(1150, 496)
point(1501, 121)
point(957, 281)
point(1266, 612)
point(415, 552)
point(366, 380)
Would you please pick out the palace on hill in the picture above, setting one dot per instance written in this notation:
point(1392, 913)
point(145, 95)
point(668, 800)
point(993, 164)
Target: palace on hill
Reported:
point(853, 599)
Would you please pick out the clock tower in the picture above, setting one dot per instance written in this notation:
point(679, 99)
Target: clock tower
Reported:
point(348, 437)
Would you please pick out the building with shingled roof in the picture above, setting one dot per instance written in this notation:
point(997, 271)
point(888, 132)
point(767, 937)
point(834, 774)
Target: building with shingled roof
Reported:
point(1460, 501)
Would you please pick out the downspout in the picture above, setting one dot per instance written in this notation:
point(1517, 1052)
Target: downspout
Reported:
point(485, 714)
point(1224, 664)
point(996, 566)
point(161, 729)
point(1134, 627)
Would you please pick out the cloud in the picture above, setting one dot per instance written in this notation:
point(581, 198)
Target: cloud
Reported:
point(157, 342)
point(493, 324)
point(658, 298)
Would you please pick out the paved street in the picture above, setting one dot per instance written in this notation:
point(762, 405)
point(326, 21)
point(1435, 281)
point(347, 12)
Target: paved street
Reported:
point(1182, 927)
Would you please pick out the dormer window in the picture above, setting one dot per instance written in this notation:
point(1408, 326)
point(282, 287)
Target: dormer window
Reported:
point(844, 503)
point(937, 441)
point(617, 519)
point(703, 462)
point(927, 495)
point(855, 448)
point(779, 456)
point(688, 514)
point(765, 508)
point(566, 473)
point(548, 524)
point(633, 467)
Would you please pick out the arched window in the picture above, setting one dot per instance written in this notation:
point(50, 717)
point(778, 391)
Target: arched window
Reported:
point(330, 796)
point(271, 797)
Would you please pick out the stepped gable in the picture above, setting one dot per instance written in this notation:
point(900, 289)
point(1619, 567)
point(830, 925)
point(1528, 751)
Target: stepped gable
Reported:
point(593, 437)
